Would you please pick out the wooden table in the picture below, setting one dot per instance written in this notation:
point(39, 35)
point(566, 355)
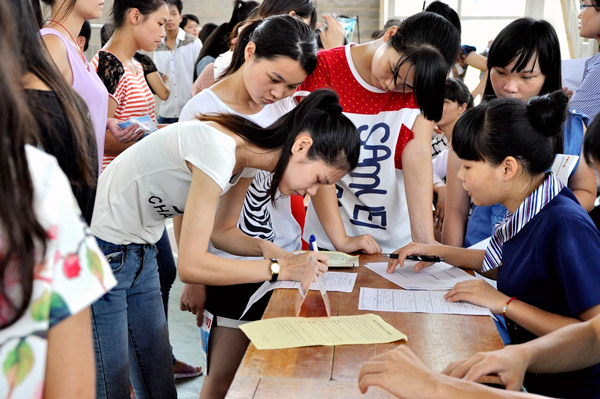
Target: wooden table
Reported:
point(332, 371)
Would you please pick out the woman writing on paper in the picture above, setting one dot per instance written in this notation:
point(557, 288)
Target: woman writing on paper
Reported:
point(543, 253)
point(311, 146)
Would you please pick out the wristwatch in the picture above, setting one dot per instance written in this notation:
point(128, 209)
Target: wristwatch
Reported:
point(275, 269)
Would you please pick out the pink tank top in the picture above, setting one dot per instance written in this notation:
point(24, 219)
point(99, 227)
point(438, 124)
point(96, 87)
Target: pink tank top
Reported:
point(89, 86)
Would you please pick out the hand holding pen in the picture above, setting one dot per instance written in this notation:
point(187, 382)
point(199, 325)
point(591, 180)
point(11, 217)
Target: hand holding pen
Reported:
point(420, 258)
point(425, 254)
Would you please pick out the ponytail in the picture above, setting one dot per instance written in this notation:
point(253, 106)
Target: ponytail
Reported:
point(335, 138)
point(298, 42)
point(506, 127)
point(430, 43)
point(591, 142)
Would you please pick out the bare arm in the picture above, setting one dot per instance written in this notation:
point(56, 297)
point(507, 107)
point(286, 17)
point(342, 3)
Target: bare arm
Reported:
point(333, 35)
point(226, 235)
point(159, 84)
point(476, 61)
point(532, 318)
point(583, 184)
point(539, 321)
point(112, 146)
point(457, 205)
point(460, 257)
point(58, 53)
point(417, 169)
point(328, 212)
point(480, 88)
point(569, 348)
point(70, 366)
point(198, 266)
point(402, 373)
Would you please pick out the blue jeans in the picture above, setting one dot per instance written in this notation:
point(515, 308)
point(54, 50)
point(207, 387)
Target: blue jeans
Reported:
point(164, 120)
point(167, 271)
point(131, 338)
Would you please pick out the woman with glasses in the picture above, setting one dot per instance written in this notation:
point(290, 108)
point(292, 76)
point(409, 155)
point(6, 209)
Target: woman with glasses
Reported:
point(587, 97)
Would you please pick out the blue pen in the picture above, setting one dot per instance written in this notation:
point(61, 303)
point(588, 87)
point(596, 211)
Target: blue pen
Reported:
point(312, 243)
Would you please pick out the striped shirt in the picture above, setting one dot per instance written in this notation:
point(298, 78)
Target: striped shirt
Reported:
point(587, 96)
point(130, 91)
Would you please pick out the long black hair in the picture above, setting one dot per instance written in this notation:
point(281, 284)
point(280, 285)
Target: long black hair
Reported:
point(33, 57)
point(205, 31)
point(302, 8)
point(62, 13)
point(506, 127)
point(457, 90)
point(189, 17)
point(591, 141)
point(447, 12)
point(22, 234)
point(335, 138)
point(525, 39)
point(121, 7)
point(298, 43)
point(429, 42)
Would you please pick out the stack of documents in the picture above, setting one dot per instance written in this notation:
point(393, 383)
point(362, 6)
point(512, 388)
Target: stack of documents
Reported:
point(382, 300)
point(439, 276)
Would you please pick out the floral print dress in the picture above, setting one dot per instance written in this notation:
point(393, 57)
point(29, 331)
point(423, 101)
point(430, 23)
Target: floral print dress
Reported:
point(72, 275)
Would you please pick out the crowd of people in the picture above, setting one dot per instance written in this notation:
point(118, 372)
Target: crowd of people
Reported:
point(251, 124)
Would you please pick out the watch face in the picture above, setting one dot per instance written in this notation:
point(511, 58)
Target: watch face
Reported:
point(275, 268)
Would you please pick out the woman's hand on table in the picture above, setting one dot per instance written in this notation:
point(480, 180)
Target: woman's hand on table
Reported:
point(363, 243)
point(414, 248)
point(479, 293)
point(400, 372)
point(509, 364)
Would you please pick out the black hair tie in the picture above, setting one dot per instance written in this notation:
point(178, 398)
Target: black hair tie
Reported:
point(334, 109)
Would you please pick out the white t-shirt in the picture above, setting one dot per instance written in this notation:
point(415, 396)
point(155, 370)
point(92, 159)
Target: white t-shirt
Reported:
point(371, 198)
point(259, 218)
point(149, 182)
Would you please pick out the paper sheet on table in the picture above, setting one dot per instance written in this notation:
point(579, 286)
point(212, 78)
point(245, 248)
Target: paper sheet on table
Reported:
point(295, 332)
point(439, 276)
point(338, 259)
point(334, 281)
point(383, 300)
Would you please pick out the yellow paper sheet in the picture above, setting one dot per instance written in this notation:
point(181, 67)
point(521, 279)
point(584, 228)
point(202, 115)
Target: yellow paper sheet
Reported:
point(339, 259)
point(294, 332)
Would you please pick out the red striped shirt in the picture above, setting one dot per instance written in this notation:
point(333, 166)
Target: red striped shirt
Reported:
point(133, 98)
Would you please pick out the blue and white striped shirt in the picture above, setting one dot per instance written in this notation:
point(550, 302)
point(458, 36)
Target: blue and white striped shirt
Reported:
point(587, 96)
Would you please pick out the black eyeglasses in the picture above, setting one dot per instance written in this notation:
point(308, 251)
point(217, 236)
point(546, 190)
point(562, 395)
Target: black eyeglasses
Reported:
point(582, 6)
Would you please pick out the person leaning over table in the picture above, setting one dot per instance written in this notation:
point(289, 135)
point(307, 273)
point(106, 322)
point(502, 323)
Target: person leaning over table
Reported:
point(569, 348)
point(544, 252)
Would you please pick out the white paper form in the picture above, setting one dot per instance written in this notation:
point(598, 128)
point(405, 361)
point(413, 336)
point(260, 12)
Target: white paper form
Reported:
point(563, 166)
point(377, 299)
point(439, 276)
point(333, 281)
